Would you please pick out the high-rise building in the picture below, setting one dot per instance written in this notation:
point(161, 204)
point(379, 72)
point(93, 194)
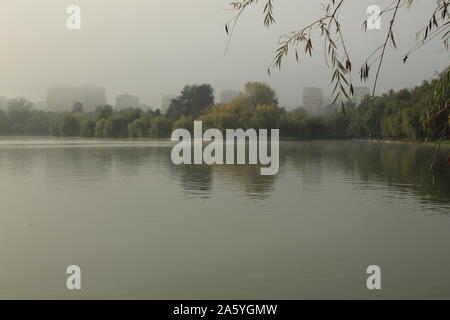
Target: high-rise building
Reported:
point(166, 101)
point(313, 100)
point(62, 98)
point(359, 94)
point(127, 100)
point(227, 95)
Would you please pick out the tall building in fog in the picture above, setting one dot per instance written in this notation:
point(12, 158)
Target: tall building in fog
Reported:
point(166, 101)
point(227, 95)
point(125, 101)
point(62, 98)
point(359, 94)
point(313, 100)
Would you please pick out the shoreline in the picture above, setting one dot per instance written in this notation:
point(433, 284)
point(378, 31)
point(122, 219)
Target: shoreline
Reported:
point(444, 144)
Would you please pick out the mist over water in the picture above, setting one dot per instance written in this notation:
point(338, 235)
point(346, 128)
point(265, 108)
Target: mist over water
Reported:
point(143, 228)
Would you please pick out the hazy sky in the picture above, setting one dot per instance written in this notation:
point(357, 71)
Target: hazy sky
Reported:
point(155, 47)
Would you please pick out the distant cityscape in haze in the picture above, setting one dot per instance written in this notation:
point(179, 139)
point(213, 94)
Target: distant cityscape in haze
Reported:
point(63, 97)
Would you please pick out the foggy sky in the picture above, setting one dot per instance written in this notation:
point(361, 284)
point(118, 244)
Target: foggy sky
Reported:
point(154, 47)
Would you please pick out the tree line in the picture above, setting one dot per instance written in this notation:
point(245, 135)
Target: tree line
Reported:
point(394, 115)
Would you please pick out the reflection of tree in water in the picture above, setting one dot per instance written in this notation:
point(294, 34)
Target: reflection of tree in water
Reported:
point(407, 168)
point(94, 165)
point(97, 164)
point(130, 160)
point(303, 159)
point(401, 166)
point(17, 161)
point(89, 165)
point(196, 180)
point(248, 178)
point(59, 164)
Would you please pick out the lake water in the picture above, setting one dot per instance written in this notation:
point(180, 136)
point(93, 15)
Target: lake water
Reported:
point(142, 228)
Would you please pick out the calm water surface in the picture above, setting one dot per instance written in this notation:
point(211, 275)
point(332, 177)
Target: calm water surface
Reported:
point(142, 228)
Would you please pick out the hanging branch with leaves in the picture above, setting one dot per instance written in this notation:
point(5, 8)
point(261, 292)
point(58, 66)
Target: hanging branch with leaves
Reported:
point(365, 69)
point(438, 24)
point(330, 30)
point(300, 41)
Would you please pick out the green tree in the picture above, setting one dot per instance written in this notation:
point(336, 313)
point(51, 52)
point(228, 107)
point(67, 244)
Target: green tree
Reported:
point(87, 127)
point(266, 117)
point(100, 128)
point(260, 93)
point(161, 128)
point(116, 127)
point(139, 128)
point(294, 124)
point(104, 112)
point(184, 123)
point(38, 123)
point(4, 123)
point(68, 126)
point(192, 102)
point(18, 109)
